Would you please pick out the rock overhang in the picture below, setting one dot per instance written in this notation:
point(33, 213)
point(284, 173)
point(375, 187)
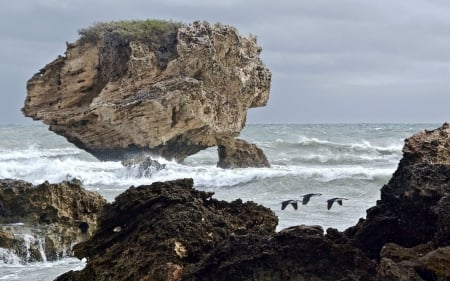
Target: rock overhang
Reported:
point(172, 96)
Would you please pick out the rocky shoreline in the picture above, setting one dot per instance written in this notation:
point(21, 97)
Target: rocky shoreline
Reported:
point(171, 231)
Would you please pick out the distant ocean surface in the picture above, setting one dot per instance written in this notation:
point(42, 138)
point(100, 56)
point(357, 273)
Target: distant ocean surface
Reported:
point(338, 160)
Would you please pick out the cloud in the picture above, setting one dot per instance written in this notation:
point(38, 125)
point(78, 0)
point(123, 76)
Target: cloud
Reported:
point(331, 60)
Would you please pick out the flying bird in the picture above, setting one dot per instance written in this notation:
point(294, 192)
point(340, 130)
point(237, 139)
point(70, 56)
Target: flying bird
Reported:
point(336, 199)
point(308, 196)
point(294, 204)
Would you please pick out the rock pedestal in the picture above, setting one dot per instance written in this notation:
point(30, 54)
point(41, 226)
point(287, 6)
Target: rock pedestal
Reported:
point(122, 95)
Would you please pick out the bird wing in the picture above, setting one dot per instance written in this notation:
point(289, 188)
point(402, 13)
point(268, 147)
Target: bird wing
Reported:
point(306, 199)
point(294, 204)
point(330, 203)
point(284, 204)
point(339, 201)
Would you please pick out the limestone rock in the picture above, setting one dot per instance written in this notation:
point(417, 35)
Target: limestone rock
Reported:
point(44, 221)
point(237, 153)
point(118, 96)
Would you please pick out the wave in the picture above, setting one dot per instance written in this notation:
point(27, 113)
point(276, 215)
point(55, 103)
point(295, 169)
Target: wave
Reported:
point(36, 152)
point(317, 151)
point(315, 143)
point(96, 173)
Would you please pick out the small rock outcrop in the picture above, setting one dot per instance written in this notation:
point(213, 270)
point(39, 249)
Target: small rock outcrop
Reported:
point(170, 231)
point(164, 88)
point(237, 153)
point(43, 222)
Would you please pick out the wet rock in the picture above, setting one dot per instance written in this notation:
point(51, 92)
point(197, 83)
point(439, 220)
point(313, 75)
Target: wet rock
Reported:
point(43, 222)
point(169, 91)
point(143, 166)
point(236, 153)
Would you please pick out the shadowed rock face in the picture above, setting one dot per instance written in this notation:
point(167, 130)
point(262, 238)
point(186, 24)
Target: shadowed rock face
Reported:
point(202, 91)
point(411, 210)
point(408, 230)
point(170, 231)
point(50, 217)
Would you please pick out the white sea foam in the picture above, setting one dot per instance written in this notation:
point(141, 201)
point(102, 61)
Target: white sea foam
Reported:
point(8, 256)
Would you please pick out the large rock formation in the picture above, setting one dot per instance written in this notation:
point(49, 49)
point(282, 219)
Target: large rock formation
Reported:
point(43, 222)
point(170, 231)
point(160, 87)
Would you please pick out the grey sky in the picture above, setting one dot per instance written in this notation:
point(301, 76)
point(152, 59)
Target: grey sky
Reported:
point(332, 61)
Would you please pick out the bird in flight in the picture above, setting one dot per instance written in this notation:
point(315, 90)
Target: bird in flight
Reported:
point(294, 204)
point(308, 196)
point(331, 201)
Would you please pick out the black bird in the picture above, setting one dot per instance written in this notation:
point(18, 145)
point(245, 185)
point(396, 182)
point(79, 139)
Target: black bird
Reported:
point(308, 196)
point(336, 199)
point(287, 202)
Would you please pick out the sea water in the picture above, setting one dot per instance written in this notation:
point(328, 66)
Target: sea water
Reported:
point(337, 160)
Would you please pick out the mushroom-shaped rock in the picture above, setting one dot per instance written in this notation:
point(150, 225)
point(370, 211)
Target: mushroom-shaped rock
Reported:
point(151, 86)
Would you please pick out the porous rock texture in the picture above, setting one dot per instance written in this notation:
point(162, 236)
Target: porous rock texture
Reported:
point(413, 215)
point(43, 222)
point(173, 105)
point(170, 231)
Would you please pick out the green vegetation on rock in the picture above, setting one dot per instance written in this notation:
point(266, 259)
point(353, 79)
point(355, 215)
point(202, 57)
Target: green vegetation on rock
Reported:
point(142, 30)
point(114, 37)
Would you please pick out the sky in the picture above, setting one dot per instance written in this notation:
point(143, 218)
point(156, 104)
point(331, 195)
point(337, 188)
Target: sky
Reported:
point(332, 61)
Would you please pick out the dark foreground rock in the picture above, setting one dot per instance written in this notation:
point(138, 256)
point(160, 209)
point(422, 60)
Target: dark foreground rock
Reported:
point(43, 222)
point(170, 231)
point(413, 213)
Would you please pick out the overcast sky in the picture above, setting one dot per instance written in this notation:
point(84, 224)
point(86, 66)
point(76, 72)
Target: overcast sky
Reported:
point(331, 60)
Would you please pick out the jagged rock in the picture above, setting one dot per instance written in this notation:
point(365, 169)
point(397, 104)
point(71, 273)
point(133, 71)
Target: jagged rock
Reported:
point(389, 270)
point(422, 262)
point(410, 225)
point(296, 253)
point(237, 153)
point(170, 231)
point(117, 96)
point(143, 166)
point(409, 211)
point(44, 221)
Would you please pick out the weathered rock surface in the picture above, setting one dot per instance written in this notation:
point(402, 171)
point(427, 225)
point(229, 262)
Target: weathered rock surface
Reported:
point(170, 231)
point(44, 221)
point(237, 153)
point(413, 210)
point(174, 107)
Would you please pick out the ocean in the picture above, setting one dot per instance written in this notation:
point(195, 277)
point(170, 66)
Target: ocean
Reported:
point(337, 160)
